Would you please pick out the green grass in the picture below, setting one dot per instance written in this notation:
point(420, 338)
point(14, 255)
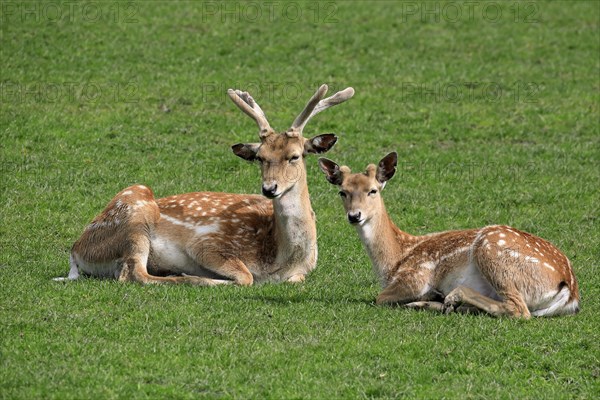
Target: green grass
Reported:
point(495, 120)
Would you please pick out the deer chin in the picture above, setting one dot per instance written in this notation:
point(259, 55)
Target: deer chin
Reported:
point(292, 190)
point(273, 196)
point(360, 222)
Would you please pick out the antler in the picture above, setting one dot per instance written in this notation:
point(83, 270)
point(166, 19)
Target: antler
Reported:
point(316, 105)
point(247, 104)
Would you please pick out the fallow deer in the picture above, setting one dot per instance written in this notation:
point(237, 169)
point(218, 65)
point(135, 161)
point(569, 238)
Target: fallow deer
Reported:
point(496, 269)
point(211, 238)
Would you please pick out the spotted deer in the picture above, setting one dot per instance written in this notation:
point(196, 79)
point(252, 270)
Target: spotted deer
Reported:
point(208, 238)
point(496, 269)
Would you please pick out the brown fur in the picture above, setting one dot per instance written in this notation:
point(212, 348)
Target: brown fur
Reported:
point(496, 269)
point(209, 238)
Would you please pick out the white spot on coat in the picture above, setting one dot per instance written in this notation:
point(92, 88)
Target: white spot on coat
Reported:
point(549, 266)
point(428, 265)
point(198, 229)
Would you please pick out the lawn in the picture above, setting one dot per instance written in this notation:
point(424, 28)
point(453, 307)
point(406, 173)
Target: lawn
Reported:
point(493, 108)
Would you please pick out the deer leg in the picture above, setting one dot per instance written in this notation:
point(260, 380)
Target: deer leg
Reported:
point(229, 266)
point(425, 305)
point(513, 304)
point(409, 286)
point(73, 272)
point(298, 278)
point(140, 275)
point(134, 267)
point(499, 272)
point(137, 273)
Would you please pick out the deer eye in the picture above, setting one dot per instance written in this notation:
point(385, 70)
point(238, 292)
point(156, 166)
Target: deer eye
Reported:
point(294, 158)
point(342, 195)
point(373, 192)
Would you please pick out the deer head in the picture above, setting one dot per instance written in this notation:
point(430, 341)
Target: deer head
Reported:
point(281, 155)
point(361, 192)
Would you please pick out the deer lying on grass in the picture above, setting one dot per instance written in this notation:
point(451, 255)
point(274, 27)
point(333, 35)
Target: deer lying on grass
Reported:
point(215, 238)
point(497, 269)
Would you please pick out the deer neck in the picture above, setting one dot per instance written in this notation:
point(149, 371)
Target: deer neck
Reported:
point(385, 243)
point(295, 228)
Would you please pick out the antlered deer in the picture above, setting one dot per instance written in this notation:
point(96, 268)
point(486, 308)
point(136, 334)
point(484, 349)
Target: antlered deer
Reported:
point(210, 238)
point(496, 269)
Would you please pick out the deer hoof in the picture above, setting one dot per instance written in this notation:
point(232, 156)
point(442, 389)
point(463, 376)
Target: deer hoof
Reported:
point(452, 301)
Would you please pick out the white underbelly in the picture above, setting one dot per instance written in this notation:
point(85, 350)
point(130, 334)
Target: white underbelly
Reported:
point(169, 256)
point(469, 276)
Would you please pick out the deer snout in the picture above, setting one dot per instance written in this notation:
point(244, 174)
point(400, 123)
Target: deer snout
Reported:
point(354, 217)
point(269, 189)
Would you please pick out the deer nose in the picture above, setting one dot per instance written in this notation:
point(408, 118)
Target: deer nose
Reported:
point(269, 189)
point(354, 218)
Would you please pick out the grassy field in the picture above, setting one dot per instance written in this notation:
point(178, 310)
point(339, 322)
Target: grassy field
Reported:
point(492, 107)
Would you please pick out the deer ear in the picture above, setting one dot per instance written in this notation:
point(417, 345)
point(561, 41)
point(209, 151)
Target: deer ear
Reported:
point(247, 151)
point(387, 167)
point(331, 170)
point(320, 144)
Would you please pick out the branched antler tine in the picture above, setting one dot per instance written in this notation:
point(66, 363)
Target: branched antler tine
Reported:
point(246, 103)
point(324, 104)
point(334, 100)
point(250, 100)
point(304, 116)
